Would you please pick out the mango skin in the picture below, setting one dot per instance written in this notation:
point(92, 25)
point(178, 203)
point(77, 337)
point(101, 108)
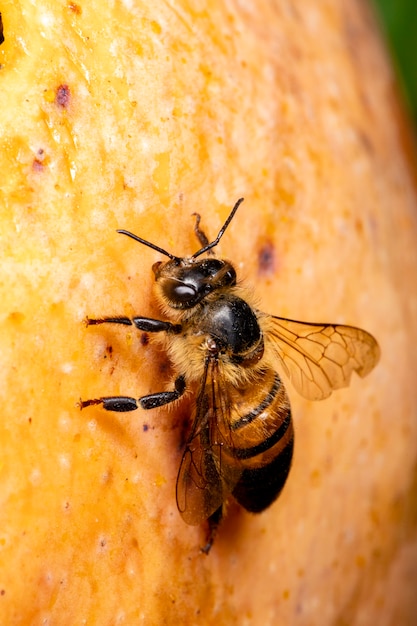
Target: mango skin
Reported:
point(118, 116)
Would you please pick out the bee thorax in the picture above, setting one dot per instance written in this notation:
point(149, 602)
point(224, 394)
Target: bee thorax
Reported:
point(233, 328)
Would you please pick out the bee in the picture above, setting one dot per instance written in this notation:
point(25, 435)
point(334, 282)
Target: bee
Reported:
point(227, 352)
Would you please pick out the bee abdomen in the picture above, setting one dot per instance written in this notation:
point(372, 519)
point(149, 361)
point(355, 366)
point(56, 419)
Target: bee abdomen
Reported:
point(258, 488)
point(263, 440)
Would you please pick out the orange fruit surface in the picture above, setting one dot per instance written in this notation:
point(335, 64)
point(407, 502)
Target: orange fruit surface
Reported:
point(134, 115)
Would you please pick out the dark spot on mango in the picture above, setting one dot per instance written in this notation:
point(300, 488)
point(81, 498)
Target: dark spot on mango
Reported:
point(63, 96)
point(164, 367)
point(39, 161)
point(16, 317)
point(37, 165)
point(1, 30)
point(144, 339)
point(266, 259)
point(75, 8)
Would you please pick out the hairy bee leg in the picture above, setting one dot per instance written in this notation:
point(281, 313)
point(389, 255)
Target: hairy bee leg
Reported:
point(160, 398)
point(147, 324)
point(213, 522)
point(213, 244)
point(122, 404)
point(108, 320)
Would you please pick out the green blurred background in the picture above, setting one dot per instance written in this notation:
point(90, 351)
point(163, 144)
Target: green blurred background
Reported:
point(399, 20)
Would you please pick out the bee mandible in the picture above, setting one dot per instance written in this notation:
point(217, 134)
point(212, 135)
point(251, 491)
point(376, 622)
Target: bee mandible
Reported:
point(227, 352)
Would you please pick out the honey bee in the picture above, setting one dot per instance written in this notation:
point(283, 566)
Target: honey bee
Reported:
point(227, 351)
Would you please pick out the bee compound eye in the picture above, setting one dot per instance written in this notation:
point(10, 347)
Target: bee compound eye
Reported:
point(230, 276)
point(184, 293)
point(179, 292)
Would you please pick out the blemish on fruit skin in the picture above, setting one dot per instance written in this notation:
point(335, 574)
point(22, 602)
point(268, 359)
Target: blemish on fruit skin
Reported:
point(16, 317)
point(315, 478)
point(75, 8)
point(164, 367)
point(156, 27)
point(107, 477)
point(160, 480)
point(266, 259)
point(39, 161)
point(37, 165)
point(102, 542)
point(1, 30)
point(63, 96)
point(365, 141)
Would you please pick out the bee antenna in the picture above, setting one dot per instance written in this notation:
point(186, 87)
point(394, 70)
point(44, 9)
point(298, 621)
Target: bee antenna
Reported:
point(214, 243)
point(147, 243)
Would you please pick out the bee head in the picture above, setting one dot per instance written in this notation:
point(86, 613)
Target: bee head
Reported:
point(184, 283)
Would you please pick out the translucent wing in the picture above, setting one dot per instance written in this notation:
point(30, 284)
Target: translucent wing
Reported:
point(321, 357)
point(204, 480)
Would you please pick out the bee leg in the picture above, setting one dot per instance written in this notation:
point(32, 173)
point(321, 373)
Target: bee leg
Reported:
point(107, 320)
point(147, 324)
point(213, 522)
point(122, 404)
point(160, 398)
point(200, 234)
point(150, 325)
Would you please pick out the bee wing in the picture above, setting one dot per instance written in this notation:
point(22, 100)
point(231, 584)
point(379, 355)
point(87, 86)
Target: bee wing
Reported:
point(321, 357)
point(204, 482)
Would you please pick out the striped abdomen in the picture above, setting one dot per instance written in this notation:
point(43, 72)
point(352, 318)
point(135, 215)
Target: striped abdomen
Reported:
point(262, 437)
